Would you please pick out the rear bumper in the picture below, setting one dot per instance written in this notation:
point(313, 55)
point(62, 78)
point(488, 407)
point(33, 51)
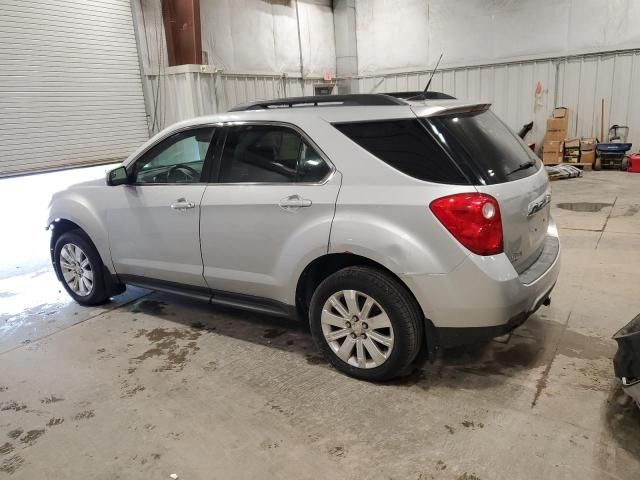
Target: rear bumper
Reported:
point(451, 337)
point(485, 297)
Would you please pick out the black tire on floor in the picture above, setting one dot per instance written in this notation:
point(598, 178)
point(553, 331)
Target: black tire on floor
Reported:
point(597, 164)
point(401, 308)
point(624, 165)
point(100, 292)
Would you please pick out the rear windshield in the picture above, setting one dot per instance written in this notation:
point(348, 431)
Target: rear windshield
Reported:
point(406, 146)
point(486, 145)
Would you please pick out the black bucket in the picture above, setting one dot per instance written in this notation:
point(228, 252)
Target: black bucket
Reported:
point(626, 362)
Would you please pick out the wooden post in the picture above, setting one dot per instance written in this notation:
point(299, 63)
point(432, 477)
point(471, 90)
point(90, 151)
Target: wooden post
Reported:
point(182, 30)
point(602, 120)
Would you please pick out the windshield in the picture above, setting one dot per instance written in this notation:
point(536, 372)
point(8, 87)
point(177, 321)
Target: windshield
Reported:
point(486, 144)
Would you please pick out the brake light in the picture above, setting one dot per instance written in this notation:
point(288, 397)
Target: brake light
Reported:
point(473, 219)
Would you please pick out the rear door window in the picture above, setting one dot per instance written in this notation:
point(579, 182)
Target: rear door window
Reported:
point(407, 146)
point(269, 154)
point(483, 140)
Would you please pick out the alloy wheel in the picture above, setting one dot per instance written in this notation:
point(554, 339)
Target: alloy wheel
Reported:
point(357, 329)
point(76, 269)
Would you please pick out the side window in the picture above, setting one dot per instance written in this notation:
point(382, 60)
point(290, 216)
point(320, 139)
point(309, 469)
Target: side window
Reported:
point(312, 168)
point(269, 154)
point(406, 146)
point(178, 159)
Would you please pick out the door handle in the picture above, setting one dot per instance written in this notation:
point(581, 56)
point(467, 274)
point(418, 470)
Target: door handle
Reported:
point(182, 204)
point(293, 202)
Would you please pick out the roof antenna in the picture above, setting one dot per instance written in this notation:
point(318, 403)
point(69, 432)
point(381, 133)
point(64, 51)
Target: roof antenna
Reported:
point(426, 89)
point(423, 95)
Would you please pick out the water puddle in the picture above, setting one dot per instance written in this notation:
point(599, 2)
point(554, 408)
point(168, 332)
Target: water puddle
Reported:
point(589, 207)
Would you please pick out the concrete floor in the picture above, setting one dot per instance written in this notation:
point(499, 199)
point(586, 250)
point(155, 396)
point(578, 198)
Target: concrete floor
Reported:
point(151, 385)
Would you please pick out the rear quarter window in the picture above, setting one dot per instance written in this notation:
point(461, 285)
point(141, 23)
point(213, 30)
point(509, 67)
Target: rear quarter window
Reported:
point(407, 146)
point(482, 140)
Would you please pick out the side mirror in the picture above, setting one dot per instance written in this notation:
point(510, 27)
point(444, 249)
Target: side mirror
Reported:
point(117, 176)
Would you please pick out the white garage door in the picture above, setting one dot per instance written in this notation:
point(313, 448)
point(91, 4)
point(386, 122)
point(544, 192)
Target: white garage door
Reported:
point(70, 89)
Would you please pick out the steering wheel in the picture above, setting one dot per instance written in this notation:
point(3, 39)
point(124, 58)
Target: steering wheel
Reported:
point(189, 173)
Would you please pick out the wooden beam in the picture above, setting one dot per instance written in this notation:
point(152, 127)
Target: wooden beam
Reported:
point(182, 28)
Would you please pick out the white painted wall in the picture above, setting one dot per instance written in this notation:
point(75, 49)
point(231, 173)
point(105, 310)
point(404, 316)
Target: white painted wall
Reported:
point(258, 36)
point(250, 36)
point(252, 48)
point(495, 51)
point(410, 34)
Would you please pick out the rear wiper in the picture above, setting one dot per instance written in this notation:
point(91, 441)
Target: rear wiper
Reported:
point(523, 166)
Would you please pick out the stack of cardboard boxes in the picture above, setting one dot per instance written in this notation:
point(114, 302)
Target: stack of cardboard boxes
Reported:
point(553, 148)
point(572, 150)
point(588, 150)
point(580, 150)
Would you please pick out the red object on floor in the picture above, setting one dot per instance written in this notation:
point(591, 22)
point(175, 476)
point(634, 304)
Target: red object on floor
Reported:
point(634, 163)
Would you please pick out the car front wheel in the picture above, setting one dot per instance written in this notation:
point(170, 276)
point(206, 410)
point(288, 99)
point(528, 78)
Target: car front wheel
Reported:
point(366, 323)
point(80, 268)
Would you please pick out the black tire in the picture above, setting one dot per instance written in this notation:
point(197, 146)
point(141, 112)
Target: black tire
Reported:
point(401, 308)
point(624, 165)
point(100, 291)
point(597, 164)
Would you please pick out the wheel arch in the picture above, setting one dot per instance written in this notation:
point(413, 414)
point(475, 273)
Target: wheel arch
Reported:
point(321, 267)
point(60, 226)
point(69, 211)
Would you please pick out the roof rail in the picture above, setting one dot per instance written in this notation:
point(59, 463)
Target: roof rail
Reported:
point(373, 99)
point(421, 95)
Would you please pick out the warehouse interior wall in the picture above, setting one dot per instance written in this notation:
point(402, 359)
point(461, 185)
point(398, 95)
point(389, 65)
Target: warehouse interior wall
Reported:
point(410, 35)
point(261, 37)
point(251, 49)
point(523, 57)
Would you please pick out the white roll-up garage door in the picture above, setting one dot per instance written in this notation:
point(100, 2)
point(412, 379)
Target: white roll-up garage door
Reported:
point(70, 88)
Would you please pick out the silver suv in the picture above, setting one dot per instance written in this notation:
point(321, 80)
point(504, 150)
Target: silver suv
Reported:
point(390, 225)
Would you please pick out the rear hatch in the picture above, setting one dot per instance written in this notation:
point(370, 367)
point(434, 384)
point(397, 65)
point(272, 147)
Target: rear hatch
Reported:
point(498, 163)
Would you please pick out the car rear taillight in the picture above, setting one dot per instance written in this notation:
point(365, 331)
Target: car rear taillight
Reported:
point(473, 219)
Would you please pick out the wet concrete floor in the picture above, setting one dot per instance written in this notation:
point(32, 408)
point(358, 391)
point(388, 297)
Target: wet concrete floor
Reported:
point(150, 385)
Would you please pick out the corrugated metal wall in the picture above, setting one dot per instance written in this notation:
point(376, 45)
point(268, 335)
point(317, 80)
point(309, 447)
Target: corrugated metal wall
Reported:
point(263, 62)
point(70, 89)
point(584, 81)
point(238, 89)
point(183, 95)
point(577, 82)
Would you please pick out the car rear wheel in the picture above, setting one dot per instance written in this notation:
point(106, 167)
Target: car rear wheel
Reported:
point(80, 268)
point(366, 323)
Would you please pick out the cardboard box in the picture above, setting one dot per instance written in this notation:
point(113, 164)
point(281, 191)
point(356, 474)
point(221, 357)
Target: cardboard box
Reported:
point(549, 158)
point(572, 142)
point(555, 135)
point(588, 144)
point(553, 146)
point(588, 156)
point(555, 124)
point(560, 112)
